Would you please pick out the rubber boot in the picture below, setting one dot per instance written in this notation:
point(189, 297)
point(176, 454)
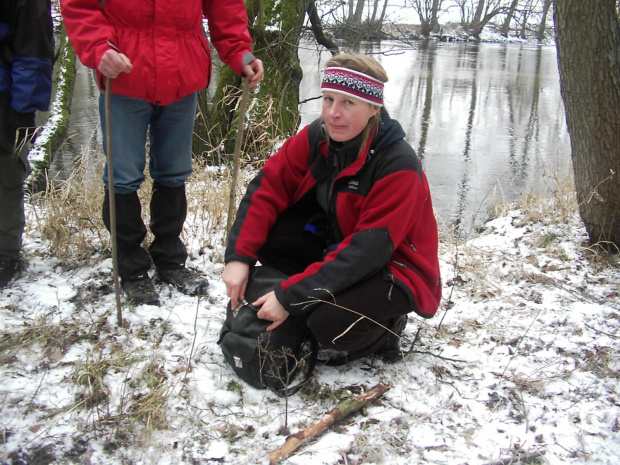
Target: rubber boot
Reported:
point(168, 213)
point(133, 261)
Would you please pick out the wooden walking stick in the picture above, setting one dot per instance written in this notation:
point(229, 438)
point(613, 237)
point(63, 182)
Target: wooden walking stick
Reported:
point(343, 409)
point(238, 140)
point(108, 138)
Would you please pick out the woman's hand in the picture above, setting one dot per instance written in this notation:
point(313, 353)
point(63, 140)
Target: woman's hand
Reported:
point(114, 63)
point(235, 276)
point(271, 310)
point(254, 71)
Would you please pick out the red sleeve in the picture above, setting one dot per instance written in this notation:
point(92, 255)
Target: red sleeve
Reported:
point(228, 30)
point(268, 194)
point(88, 30)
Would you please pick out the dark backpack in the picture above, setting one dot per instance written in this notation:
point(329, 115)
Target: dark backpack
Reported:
point(267, 359)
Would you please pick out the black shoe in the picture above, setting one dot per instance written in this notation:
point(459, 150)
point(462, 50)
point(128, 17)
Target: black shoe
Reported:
point(390, 351)
point(9, 270)
point(185, 280)
point(140, 290)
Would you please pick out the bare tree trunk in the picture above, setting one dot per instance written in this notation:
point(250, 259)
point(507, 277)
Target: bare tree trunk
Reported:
point(374, 11)
point(385, 5)
point(479, 11)
point(428, 13)
point(511, 11)
point(434, 16)
point(359, 9)
point(485, 12)
point(588, 44)
point(543, 22)
point(523, 31)
point(317, 29)
point(477, 25)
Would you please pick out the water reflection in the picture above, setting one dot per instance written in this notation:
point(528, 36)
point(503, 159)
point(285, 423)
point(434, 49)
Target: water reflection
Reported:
point(487, 119)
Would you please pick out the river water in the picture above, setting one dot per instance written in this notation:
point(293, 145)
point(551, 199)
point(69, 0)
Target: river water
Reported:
point(487, 120)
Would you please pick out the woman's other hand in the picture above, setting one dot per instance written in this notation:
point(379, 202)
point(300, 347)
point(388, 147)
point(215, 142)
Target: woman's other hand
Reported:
point(235, 276)
point(271, 310)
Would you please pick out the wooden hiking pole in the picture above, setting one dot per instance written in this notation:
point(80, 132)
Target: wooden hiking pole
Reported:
point(343, 409)
point(112, 199)
point(238, 140)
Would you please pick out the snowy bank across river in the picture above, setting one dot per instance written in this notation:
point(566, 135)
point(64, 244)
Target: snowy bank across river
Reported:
point(522, 360)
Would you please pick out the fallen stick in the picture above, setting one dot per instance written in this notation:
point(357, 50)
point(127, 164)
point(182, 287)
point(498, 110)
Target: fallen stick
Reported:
point(343, 409)
point(519, 458)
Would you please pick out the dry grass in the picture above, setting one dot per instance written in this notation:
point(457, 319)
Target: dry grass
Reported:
point(54, 337)
point(68, 216)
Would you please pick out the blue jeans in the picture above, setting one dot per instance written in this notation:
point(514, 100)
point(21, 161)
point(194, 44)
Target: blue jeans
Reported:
point(170, 129)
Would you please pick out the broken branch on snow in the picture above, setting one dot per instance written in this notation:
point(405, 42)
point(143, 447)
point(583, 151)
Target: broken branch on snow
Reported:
point(343, 409)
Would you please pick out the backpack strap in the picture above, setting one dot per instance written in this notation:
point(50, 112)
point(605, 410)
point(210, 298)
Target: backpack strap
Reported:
point(316, 132)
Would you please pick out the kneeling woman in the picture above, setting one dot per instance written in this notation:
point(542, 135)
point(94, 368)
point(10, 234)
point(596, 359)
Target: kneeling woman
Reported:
point(344, 208)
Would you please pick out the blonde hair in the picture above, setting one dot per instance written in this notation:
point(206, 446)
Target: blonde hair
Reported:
point(367, 65)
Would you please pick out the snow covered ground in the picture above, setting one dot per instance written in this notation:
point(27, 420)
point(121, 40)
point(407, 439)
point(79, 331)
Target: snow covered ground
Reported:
point(522, 358)
point(521, 362)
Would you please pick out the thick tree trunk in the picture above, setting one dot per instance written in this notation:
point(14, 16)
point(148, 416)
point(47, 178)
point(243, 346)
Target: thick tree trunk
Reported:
point(588, 40)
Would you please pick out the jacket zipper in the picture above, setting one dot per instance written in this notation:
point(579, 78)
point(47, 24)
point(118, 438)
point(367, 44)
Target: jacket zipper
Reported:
point(392, 282)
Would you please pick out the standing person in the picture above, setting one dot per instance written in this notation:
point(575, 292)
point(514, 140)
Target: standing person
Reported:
point(157, 57)
point(26, 55)
point(344, 208)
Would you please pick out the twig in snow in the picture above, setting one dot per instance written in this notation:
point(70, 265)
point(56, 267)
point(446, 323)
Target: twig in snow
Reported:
point(343, 409)
point(191, 351)
point(519, 458)
point(601, 332)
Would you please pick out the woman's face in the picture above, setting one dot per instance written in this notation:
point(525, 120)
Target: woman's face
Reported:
point(345, 117)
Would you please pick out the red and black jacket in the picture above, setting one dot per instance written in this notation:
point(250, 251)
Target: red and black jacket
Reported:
point(381, 203)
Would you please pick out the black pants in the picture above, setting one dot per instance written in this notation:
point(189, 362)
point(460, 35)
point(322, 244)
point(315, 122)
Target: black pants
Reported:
point(14, 169)
point(354, 322)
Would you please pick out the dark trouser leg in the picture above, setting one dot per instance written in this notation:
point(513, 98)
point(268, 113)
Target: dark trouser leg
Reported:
point(133, 260)
point(338, 329)
point(289, 247)
point(14, 169)
point(168, 212)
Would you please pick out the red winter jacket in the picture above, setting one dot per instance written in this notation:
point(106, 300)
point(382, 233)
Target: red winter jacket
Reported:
point(382, 206)
point(163, 39)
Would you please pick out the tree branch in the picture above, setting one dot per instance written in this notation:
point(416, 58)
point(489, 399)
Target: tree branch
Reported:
point(343, 409)
point(317, 29)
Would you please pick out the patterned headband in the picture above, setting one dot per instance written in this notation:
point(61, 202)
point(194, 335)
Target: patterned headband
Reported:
point(349, 82)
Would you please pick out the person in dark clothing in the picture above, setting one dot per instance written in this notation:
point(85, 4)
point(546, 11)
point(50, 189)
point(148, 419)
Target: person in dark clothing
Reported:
point(156, 58)
point(26, 56)
point(343, 208)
